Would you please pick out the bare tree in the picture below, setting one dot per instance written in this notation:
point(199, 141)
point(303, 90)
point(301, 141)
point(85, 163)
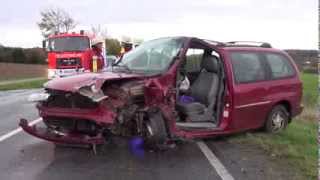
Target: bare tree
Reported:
point(55, 20)
point(99, 31)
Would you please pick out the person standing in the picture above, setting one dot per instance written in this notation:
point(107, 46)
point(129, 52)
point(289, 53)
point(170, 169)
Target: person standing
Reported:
point(97, 61)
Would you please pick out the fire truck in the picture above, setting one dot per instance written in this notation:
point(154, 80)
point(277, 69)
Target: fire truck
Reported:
point(68, 54)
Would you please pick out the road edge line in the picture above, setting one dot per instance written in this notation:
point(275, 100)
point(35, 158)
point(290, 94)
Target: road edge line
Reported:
point(18, 130)
point(214, 161)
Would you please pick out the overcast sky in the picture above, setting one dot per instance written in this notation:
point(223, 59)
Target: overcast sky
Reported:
point(283, 23)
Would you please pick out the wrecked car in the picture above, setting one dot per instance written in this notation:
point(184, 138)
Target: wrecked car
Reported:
point(173, 88)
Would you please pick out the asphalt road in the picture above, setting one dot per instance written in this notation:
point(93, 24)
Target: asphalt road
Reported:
point(25, 157)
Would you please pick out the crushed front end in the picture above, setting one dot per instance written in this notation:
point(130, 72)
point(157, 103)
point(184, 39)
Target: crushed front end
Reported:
point(90, 113)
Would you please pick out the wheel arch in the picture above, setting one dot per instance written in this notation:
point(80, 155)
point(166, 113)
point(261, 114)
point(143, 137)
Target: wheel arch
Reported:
point(287, 105)
point(158, 110)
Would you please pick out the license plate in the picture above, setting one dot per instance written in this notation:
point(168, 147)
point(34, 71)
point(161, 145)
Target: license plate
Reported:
point(64, 72)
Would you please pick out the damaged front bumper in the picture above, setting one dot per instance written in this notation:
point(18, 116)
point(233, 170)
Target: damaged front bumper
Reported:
point(99, 115)
point(46, 134)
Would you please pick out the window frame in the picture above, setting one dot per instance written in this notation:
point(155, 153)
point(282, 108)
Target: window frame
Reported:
point(270, 69)
point(262, 62)
point(52, 39)
point(199, 61)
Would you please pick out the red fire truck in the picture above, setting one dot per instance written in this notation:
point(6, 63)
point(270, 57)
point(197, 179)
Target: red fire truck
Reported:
point(68, 54)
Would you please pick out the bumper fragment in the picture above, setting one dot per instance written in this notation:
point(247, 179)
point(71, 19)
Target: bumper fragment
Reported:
point(46, 134)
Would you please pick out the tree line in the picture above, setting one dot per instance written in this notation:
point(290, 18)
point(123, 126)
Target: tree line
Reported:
point(38, 55)
point(21, 55)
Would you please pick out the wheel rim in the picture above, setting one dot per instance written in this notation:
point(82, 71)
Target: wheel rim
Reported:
point(149, 130)
point(278, 121)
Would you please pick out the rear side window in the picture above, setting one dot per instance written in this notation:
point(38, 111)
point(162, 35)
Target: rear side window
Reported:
point(247, 67)
point(280, 66)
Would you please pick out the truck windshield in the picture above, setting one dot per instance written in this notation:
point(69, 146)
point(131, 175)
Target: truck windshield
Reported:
point(61, 44)
point(151, 57)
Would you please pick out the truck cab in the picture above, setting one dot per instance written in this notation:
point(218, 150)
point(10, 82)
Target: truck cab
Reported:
point(68, 54)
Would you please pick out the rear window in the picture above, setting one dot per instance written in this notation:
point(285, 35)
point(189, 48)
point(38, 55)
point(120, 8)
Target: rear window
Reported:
point(247, 67)
point(280, 66)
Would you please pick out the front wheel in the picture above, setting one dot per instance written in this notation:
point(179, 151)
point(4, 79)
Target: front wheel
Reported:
point(156, 133)
point(277, 119)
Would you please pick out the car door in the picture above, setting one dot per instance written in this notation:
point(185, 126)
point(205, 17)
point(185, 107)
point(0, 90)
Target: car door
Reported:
point(250, 89)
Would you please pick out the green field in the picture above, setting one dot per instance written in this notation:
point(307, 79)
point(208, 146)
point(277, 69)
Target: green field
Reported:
point(23, 85)
point(310, 89)
point(298, 143)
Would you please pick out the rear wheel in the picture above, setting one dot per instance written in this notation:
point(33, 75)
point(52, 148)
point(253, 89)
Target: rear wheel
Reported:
point(277, 119)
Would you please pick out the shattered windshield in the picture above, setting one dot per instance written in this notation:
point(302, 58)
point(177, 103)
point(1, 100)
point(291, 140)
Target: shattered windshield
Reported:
point(69, 44)
point(152, 57)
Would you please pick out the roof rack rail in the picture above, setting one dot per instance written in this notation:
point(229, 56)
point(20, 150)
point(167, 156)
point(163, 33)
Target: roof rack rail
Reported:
point(249, 44)
point(217, 43)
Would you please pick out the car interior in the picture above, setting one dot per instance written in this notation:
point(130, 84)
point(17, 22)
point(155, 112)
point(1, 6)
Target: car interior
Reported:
point(198, 105)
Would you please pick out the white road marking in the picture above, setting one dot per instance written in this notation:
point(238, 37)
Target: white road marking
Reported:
point(16, 131)
point(214, 161)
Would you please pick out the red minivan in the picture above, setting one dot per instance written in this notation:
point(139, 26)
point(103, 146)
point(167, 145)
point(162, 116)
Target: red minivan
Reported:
point(174, 88)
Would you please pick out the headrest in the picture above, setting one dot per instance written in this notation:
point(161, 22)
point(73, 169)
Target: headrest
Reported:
point(210, 63)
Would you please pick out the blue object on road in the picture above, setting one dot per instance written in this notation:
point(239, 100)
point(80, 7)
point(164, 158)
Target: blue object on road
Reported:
point(136, 146)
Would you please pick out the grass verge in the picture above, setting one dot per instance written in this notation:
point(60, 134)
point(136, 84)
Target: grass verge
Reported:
point(298, 143)
point(23, 85)
point(310, 89)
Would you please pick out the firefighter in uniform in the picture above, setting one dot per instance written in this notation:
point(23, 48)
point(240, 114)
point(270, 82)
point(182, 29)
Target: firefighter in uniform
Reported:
point(97, 61)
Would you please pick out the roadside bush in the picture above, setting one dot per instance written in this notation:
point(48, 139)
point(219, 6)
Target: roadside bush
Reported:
point(34, 58)
point(20, 55)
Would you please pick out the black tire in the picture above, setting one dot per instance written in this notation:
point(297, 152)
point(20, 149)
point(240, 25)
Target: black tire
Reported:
point(156, 133)
point(277, 119)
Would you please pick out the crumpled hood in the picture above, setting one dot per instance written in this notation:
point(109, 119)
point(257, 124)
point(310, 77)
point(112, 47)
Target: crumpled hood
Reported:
point(73, 83)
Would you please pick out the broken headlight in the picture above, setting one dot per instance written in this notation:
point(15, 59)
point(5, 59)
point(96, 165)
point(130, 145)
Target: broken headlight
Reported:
point(38, 97)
